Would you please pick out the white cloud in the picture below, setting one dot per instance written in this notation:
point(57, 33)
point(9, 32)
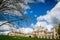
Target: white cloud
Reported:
point(57, 0)
point(33, 1)
point(38, 24)
point(4, 33)
point(25, 30)
point(43, 24)
point(49, 27)
point(6, 28)
point(53, 15)
point(15, 12)
point(24, 6)
point(52, 18)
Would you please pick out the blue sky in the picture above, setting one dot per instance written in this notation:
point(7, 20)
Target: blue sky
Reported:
point(45, 13)
point(36, 9)
point(39, 8)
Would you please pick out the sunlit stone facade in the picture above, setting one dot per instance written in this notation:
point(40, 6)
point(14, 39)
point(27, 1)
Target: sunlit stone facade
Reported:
point(41, 33)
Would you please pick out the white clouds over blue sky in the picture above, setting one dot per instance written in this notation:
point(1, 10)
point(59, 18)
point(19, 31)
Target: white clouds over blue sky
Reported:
point(42, 13)
point(25, 30)
point(52, 17)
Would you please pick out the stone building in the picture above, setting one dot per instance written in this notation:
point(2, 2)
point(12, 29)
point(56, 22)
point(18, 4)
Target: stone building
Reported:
point(20, 34)
point(41, 33)
point(44, 33)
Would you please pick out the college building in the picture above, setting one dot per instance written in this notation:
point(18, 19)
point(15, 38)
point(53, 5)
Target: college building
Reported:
point(40, 33)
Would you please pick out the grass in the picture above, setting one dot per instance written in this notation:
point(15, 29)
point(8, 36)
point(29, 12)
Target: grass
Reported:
point(21, 38)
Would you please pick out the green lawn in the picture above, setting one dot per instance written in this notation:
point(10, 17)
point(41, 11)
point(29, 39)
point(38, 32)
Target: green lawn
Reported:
point(21, 38)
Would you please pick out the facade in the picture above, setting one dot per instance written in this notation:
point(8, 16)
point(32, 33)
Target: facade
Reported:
point(41, 33)
point(44, 33)
point(20, 34)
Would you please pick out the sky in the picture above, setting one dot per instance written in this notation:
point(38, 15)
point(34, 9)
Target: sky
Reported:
point(40, 8)
point(42, 12)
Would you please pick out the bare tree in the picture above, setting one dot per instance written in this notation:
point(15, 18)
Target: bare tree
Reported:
point(12, 6)
point(8, 5)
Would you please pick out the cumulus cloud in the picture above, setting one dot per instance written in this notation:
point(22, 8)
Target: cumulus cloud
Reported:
point(26, 30)
point(38, 24)
point(34, 27)
point(5, 29)
point(52, 17)
point(42, 24)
